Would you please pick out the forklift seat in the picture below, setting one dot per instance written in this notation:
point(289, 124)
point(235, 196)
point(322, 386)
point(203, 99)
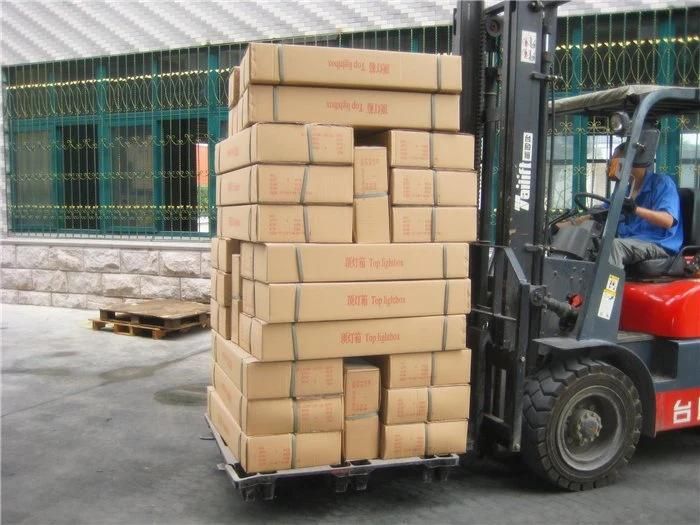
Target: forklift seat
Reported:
point(674, 266)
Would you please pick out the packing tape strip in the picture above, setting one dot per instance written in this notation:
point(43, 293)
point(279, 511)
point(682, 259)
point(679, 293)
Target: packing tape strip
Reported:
point(297, 302)
point(433, 221)
point(250, 335)
point(309, 143)
point(275, 103)
point(240, 412)
point(364, 415)
point(300, 266)
point(430, 149)
point(295, 414)
point(250, 224)
point(444, 261)
point(370, 195)
point(432, 368)
point(250, 145)
point(294, 450)
point(439, 72)
point(435, 187)
point(240, 446)
point(425, 438)
point(252, 175)
point(432, 111)
point(430, 403)
point(304, 183)
point(293, 380)
point(280, 62)
point(446, 300)
point(444, 332)
point(306, 224)
point(295, 342)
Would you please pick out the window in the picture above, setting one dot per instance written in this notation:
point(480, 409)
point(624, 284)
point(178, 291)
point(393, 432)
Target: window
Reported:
point(31, 185)
point(689, 176)
point(78, 178)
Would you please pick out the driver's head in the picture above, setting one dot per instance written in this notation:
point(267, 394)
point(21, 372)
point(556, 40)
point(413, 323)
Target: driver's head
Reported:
point(644, 155)
point(615, 162)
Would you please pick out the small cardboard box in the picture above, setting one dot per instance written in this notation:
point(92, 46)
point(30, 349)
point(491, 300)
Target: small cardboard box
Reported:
point(422, 187)
point(371, 219)
point(222, 250)
point(316, 449)
point(405, 370)
point(420, 149)
point(287, 223)
point(367, 337)
point(361, 387)
point(220, 318)
point(361, 438)
point(370, 171)
point(297, 65)
point(447, 403)
point(234, 85)
point(446, 437)
point(259, 380)
point(402, 441)
point(286, 184)
point(227, 286)
point(289, 263)
point(284, 143)
point(359, 108)
point(430, 224)
point(282, 303)
point(233, 124)
point(404, 405)
point(451, 368)
point(233, 318)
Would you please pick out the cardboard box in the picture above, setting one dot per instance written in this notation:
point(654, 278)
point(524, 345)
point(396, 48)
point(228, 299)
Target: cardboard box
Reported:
point(405, 370)
point(430, 224)
point(287, 223)
point(361, 438)
point(233, 317)
point(451, 368)
point(446, 437)
point(447, 403)
point(286, 303)
point(222, 251)
point(247, 258)
point(287, 263)
point(370, 172)
point(404, 405)
point(286, 184)
point(418, 187)
point(371, 219)
point(233, 123)
point(420, 149)
point(256, 453)
point(336, 66)
point(359, 108)
point(361, 387)
point(268, 380)
point(319, 340)
point(317, 449)
point(226, 286)
point(284, 143)
point(234, 85)
point(220, 318)
point(402, 441)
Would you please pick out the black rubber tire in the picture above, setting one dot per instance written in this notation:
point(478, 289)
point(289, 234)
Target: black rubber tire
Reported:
point(545, 398)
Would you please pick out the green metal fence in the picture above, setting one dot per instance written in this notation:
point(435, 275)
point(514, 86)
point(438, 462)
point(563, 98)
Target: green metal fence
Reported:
point(122, 146)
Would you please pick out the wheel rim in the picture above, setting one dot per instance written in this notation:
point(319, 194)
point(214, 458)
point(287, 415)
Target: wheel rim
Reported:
point(591, 428)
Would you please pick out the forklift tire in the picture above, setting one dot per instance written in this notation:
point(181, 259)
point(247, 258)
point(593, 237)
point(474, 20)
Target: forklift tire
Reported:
point(581, 423)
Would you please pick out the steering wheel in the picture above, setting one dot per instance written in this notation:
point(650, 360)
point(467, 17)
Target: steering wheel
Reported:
point(578, 200)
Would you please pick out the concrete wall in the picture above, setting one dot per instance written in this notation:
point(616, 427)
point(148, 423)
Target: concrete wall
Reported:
point(94, 273)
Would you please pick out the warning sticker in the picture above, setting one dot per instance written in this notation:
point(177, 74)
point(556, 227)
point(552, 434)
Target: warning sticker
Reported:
point(607, 298)
point(528, 47)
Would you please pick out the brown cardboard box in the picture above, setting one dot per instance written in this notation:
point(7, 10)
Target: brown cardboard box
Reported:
point(447, 403)
point(429, 224)
point(285, 263)
point(319, 340)
point(446, 437)
point(259, 380)
point(451, 368)
point(227, 286)
point(359, 108)
point(286, 303)
point(248, 297)
point(361, 437)
point(361, 387)
point(233, 318)
point(285, 143)
point(419, 149)
point(370, 172)
point(220, 318)
point(316, 449)
point(222, 250)
point(233, 124)
point(257, 453)
point(404, 405)
point(402, 441)
point(405, 370)
point(286, 184)
point(234, 84)
point(336, 66)
point(287, 223)
point(371, 219)
point(247, 254)
point(423, 187)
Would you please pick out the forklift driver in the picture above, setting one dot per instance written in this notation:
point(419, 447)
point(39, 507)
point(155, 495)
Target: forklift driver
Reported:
point(651, 227)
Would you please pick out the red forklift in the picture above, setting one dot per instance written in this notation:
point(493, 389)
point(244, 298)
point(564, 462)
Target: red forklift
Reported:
point(574, 358)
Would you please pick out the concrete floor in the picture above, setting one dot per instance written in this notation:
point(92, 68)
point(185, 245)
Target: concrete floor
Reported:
point(101, 428)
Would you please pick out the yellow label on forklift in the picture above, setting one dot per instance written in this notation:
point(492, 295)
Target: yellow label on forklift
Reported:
point(607, 298)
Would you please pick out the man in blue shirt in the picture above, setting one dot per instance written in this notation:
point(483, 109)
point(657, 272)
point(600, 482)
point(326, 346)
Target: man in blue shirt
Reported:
point(651, 227)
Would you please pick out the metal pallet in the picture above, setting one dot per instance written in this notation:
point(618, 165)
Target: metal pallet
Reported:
point(353, 474)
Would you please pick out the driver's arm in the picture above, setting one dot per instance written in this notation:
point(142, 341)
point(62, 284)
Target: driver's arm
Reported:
point(574, 221)
point(662, 219)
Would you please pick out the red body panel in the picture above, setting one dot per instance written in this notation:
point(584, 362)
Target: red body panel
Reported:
point(662, 309)
point(677, 409)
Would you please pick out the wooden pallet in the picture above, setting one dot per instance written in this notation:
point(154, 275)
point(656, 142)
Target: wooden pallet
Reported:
point(156, 318)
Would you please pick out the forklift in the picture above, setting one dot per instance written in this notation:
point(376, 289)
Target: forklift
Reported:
point(574, 357)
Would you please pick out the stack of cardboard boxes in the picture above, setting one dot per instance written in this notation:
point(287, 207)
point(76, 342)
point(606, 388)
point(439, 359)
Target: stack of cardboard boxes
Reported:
point(340, 326)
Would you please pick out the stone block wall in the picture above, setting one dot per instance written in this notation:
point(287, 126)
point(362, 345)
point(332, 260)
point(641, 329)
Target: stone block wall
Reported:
point(94, 273)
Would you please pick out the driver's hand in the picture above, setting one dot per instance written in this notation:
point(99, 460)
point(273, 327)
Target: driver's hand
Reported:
point(629, 206)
